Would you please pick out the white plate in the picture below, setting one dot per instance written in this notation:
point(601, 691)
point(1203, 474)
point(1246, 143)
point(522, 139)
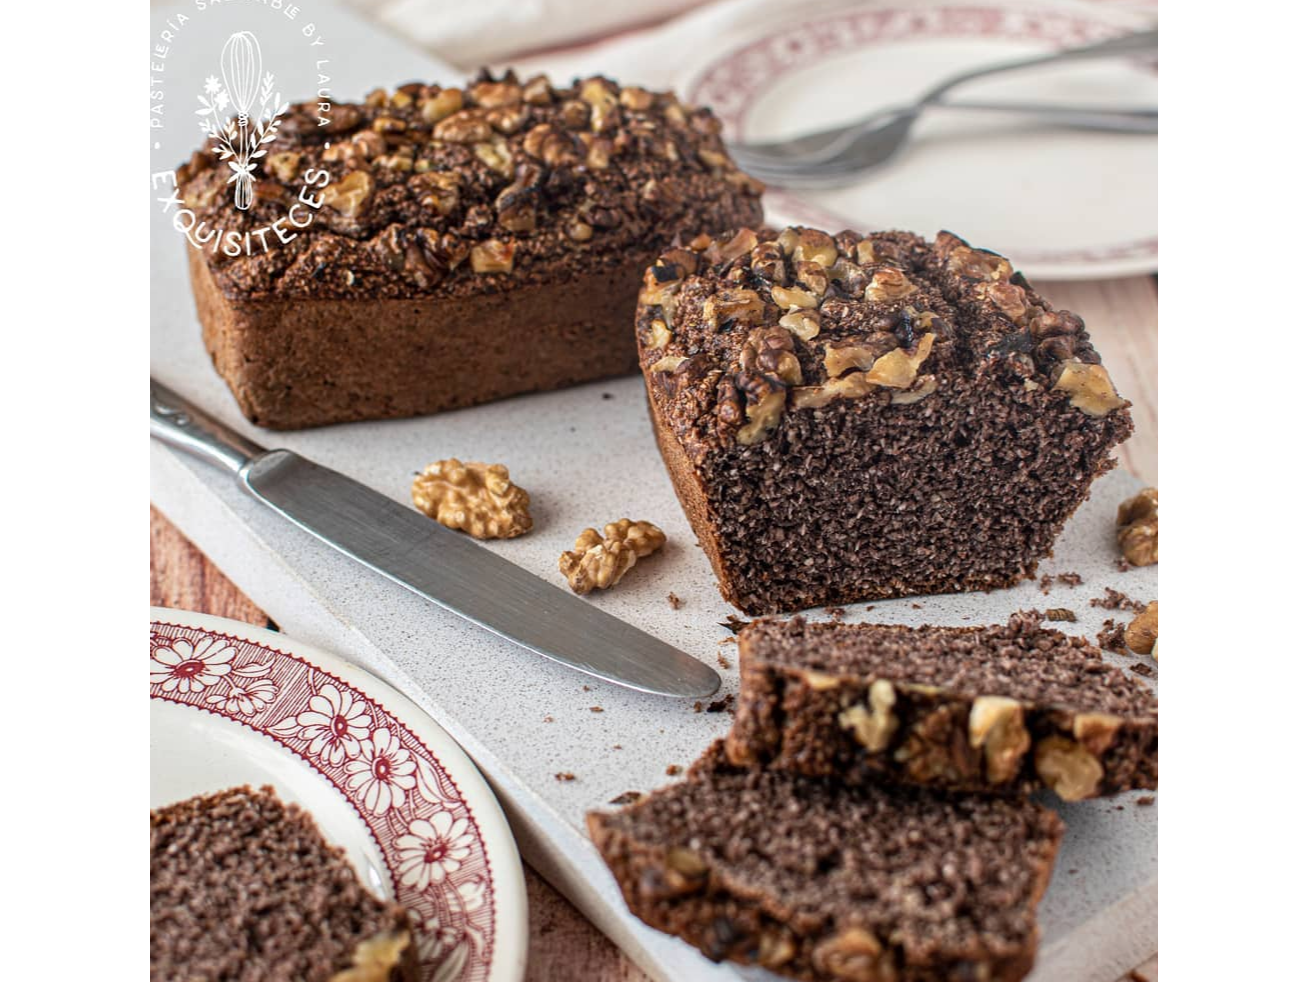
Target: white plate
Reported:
point(1062, 204)
point(231, 704)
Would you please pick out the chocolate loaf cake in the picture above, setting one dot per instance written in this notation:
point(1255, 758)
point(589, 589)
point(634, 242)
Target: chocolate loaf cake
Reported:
point(441, 247)
point(1006, 708)
point(244, 889)
point(823, 881)
point(850, 417)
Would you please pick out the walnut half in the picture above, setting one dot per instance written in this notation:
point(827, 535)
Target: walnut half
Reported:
point(475, 498)
point(1142, 635)
point(598, 562)
point(1138, 528)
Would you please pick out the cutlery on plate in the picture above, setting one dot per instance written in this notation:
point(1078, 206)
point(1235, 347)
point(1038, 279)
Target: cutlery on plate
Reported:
point(438, 564)
point(835, 156)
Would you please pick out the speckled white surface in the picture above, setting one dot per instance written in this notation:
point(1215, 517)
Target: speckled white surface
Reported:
point(587, 457)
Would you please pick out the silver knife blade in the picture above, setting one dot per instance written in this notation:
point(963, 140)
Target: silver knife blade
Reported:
point(470, 580)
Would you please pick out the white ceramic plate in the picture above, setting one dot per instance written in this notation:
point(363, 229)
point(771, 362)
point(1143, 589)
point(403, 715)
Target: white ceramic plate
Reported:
point(231, 704)
point(1062, 204)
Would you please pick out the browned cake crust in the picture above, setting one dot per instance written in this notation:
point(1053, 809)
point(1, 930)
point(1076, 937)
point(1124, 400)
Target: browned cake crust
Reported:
point(857, 417)
point(472, 243)
point(830, 883)
point(1003, 709)
point(245, 889)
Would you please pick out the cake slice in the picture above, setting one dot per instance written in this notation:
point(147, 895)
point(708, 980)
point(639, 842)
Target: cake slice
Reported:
point(244, 888)
point(823, 881)
point(1006, 708)
point(850, 417)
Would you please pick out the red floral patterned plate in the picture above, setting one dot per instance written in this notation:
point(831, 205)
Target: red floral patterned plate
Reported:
point(232, 704)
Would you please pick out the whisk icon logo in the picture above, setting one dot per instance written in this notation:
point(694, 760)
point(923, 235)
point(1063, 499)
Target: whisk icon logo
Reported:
point(245, 90)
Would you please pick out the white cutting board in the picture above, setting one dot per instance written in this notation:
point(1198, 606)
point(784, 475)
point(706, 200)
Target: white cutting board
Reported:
point(587, 457)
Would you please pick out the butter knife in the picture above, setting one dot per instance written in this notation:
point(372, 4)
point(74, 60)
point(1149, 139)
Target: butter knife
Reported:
point(434, 562)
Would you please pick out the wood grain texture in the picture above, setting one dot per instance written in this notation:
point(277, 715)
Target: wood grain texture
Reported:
point(1123, 318)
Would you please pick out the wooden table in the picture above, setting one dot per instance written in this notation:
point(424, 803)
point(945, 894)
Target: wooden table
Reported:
point(1123, 316)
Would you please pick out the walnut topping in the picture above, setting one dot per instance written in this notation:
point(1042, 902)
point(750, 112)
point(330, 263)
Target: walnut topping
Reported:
point(996, 723)
point(1096, 731)
point(636, 99)
point(598, 562)
point(465, 126)
point(658, 335)
point(819, 681)
point(492, 256)
point(769, 350)
point(978, 264)
point(668, 363)
point(350, 194)
point(596, 93)
point(437, 190)
point(1089, 388)
point(818, 396)
point(1142, 635)
point(854, 955)
point(919, 391)
point(375, 958)
point(1138, 528)
point(744, 241)
point(793, 298)
point(443, 104)
point(802, 323)
point(812, 245)
point(897, 369)
point(875, 724)
point(1011, 299)
point(776, 950)
point(842, 356)
point(764, 412)
point(496, 155)
point(283, 165)
point(1068, 767)
point(738, 306)
point(490, 95)
point(475, 498)
point(889, 284)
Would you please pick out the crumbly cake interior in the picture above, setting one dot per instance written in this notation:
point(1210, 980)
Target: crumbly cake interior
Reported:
point(244, 888)
point(1020, 660)
point(946, 876)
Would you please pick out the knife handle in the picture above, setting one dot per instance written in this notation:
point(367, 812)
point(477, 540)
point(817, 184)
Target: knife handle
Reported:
point(180, 424)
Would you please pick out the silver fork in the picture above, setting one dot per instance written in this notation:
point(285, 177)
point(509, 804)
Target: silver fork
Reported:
point(833, 156)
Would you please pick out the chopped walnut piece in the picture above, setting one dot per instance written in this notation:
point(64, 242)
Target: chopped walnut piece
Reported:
point(802, 323)
point(874, 724)
point(996, 724)
point(283, 165)
point(1089, 388)
point(475, 498)
point(897, 369)
point(1138, 528)
point(813, 246)
point(492, 256)
point(375, 958)
point(854, 955)
point(889, 284)
point(597, 562)
point(1142, 635)
point(739, 306)
point(1096, 731)
point(1069, 768)
point(350, 194)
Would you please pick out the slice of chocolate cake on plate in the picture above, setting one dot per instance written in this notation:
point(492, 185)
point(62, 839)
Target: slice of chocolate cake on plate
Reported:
point(244, 888)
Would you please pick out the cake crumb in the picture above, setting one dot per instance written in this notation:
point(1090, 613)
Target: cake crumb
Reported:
point(1122, 565)
point(672, 770)
point(586, 688)
point(721, 705)
point(1060, 614)
point(1117, 600)
point(722, 661)
point(698, 707)
point(836, 613)
point(1145, 800)
point(618, 746)
point(733, 623)
point(1110, 637)
point(674, 601)
point(1135, 976)
point(914, 606)
point(597, 709)
point(565, 776)
point(728, 640)
point(549, 719)
point(606, 395)
point(1064, 579)
point(626, 798)
point(1141, 668)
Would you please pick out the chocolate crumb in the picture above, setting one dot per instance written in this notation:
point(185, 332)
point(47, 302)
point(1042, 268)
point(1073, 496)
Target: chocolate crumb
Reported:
point(1122, 565)
point(597, 709)
point(721, 705)
point(1141, 668)
point(1117, 600)
point(1145, 800)
point(565, 776)
point(836, 613)
point(1060, 614)
point(618, 746)
point(586, 688)
point(698, 707)
point(606, 395)
point(723, 662)
point(914, 606)
point(1064, 579)
point(672, 770)
point(626, 798)
point(549, 719)
point(733, 623)
point(674, 601)
point(1110, 637)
